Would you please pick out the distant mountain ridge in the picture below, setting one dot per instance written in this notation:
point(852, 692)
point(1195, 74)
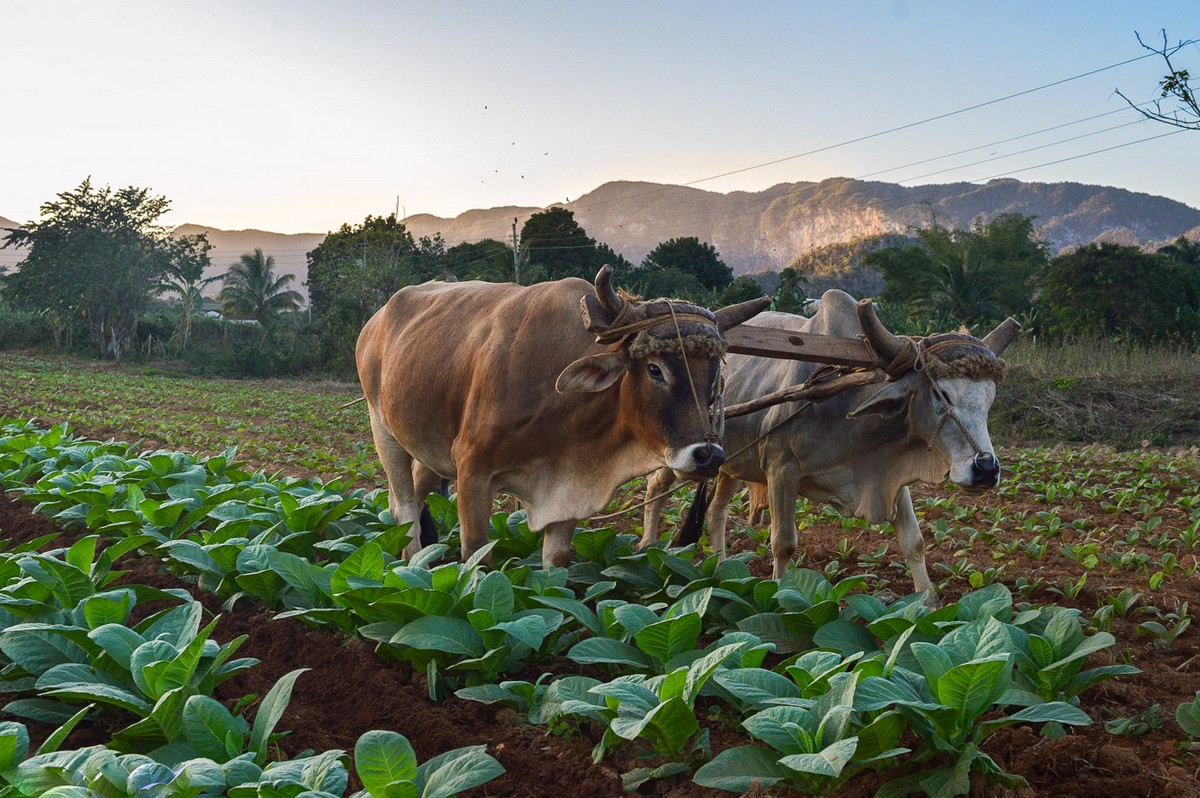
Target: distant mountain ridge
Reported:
point(767, 230)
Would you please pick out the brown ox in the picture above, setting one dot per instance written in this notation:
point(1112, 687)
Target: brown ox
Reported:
point(501, 387)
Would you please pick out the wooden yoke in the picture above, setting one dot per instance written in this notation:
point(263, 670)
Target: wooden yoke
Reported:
point(768, 342)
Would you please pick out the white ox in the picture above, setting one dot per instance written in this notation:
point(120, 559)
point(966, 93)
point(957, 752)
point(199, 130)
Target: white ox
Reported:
point(860, 450)
point(503, 388)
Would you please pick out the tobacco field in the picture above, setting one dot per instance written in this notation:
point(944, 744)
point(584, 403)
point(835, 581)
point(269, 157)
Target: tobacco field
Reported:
point(199, 596)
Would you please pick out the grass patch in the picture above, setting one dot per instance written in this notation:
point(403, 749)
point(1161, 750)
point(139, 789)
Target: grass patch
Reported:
point(1098, 392)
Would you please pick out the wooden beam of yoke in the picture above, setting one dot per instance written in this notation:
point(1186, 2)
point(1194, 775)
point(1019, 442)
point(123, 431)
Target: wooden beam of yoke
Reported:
point(767, 342)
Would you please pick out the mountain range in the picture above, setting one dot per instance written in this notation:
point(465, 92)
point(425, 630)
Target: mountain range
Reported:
point(767, 230)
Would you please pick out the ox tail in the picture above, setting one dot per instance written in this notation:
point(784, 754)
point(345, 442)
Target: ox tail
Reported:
point(693, 524)
point(429, 532)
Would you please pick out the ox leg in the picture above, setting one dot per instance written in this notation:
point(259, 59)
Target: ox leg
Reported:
point(718, 512)
point(403, 503)
point(912, 545)
point(556, 544)
point(657, 484)
point(782, 490)
point(757, 496)
point(474, 511)
point(425, 482)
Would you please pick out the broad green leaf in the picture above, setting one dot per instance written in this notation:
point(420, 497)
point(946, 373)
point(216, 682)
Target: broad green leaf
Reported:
point(362, 568)
point(594, 650)
point(456, 771)
point(756, 686)
point(771, 725)
point(495, 594)
point(451, 635)
point(383, 757)
point(972, 687)
point(827, 762)
point(270, 711)
point(530, 630)
point(737, 769)
point(667, 639)
point(210, 728)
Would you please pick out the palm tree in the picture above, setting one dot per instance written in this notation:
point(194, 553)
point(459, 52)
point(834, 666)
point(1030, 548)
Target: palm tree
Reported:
point(252, 291)
point(1183, 251)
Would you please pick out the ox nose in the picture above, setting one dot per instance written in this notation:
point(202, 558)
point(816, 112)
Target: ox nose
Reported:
point(707, 459)
point(985, 470)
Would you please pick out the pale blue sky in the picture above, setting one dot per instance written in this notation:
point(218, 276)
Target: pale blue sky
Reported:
point(299, 116)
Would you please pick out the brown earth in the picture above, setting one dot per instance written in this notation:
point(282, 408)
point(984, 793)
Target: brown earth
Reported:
point(349, 691)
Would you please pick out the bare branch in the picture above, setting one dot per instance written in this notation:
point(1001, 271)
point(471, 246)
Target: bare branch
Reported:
point(1175, 85)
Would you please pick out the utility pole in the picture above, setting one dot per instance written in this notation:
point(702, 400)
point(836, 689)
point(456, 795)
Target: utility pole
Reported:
point(516, 254)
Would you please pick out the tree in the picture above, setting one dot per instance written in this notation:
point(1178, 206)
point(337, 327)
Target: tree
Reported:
point(97, 256)
point(792, 292)
point(252, 290)
point(357, 268)
point(1175, 84)
point(489, 260)
point(1122, 293)
point(964, 276)
point(185, 277)
point(1183, 251)
point(557, 247)
point(742, 289)
point(690, 256)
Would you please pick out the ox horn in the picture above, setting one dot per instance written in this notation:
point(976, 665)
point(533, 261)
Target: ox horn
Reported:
point(999, 339)
point(886, 345)
point(602, 306)
point(733, 315)
point(605, 293)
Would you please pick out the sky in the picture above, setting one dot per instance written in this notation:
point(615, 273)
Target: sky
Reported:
point(300, 116)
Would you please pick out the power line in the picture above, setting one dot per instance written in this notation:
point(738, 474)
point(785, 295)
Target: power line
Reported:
point(906, 126)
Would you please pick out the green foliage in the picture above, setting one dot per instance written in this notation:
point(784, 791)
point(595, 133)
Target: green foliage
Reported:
point(1187, 715)
point(96, 255)
point(251, 290)
point(971, 277)
point(557, 247)
point(686, 256)
point(488, 259)
point(1121, 293)
point(357, 268)
point(791, 294)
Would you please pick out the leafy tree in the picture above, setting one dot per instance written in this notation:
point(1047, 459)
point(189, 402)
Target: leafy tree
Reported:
point(742, 289)
point(252, 290)
point(1182, 250)
point(356, 269)
point(1176, 84)
point(791, 294)
point(489, 260)
point(557, 247)
point(1120, 292)
point(964, 276)
point(185, 277)
point(690, 256)
point(96, 255)
point(607, 255)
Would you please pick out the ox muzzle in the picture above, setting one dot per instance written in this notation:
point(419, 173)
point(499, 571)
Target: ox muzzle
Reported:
point(699, 459)
point(985, 471)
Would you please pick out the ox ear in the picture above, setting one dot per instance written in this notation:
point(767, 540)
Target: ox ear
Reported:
point(889, 400)
point(593, 373)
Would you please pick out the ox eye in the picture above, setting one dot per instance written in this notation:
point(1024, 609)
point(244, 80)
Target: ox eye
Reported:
point(945, 397)
point(655, 372)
